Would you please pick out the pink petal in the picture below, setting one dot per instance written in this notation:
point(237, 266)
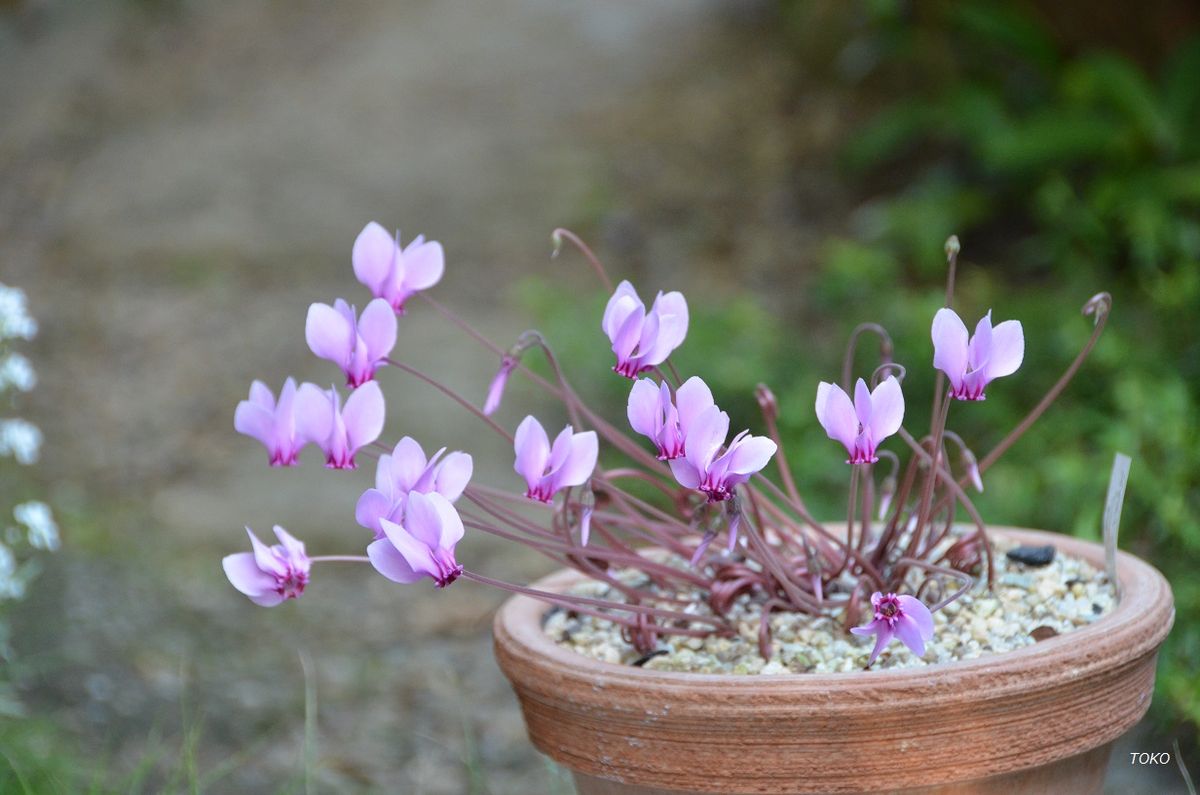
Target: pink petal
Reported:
point(364, 415)
point(691, 399)
point(245, 575)
point(671, 311)
point(453, 475)
point(390, 563)
point(255, 421)
point(314, 414)
point(687, 475)
point(628, 335)
point(377, 327)
point(919, 613)
point(910, 635)
point(950, 345)
point(293, 546)
point(887, 409)
point(373, 256)
point(260, 394)
point(372, 506)
point(749, 455)
point(559, 450)
point(979, 350)
point(422, 520)
point(416, 553)
point(424, 264)
point(836, 414)
point(862, 403)
point(705, 436)
point(264, 556)
point(623, 301)
point(449, 520)
point(644, 409)
point(1008, 349)
point(581, 460)
point(408, 464)
point(328, 334)
point(532, 448)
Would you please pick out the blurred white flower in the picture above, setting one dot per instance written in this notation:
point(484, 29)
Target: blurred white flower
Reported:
point(20, 439)
point(15, 322)
point(43, 530)
point(12, 584)
point(17, 372)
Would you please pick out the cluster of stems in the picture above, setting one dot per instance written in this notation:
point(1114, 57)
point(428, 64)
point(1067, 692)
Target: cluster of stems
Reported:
point(901, 531)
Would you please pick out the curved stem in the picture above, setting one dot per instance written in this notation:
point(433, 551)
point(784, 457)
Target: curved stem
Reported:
point(557, 236)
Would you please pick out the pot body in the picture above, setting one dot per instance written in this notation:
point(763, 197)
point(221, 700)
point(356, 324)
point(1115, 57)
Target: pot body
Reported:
point(1038, 719)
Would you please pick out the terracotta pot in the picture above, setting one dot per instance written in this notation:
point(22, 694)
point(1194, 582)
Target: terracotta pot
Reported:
point(1038, 719)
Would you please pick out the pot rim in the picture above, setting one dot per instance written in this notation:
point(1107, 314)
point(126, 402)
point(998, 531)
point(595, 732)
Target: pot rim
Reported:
point(1143, 593)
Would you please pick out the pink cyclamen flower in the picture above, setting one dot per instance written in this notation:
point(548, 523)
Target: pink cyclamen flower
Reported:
point(643, 340)
point(546, 468)
point(970, 365)
point(863, 424)
point(903, 617)
point(395, 273)
point(270, 574)
point(272, 423)
point(653, 414)
point(423, 546)
point(405, 471)
point(705, 467)
point(508, 363)
point(357, 345)
point(339, 432)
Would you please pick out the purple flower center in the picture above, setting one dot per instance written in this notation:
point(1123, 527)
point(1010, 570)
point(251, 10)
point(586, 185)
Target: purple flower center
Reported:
point(888, 609)
point(448, 570)
point(291, 585)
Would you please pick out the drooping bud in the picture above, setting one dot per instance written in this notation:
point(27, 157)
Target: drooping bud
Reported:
point(887, 491)
point(972, 467)
point(587, 506)
point(508, 363)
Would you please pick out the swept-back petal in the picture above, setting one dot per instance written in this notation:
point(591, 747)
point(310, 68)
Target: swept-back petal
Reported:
point(422, 519)
point(314, 413)
point(672, 312)
point(749, 455)
point(687, 475)
point(628, 334)
point(260, 394)
point(416, 553)
point(255, 421)
point(691, 398)
point(1008, 349)
point(623, 301)
point(644, 409)
point(532, 448)
point(887, 409)
point(388, 561)
point(449, 521)
point(408, 463)
point(264, 556)
point(979, 350)
point(424, 263)
point(836, 414)
point(862, 403)
point(292, 545)
point(372, 506)
point(364, 415)
point(328, 334)
point(949, 335)
point(377, 327)
point(580, 461)
point(453, 474)
point(373, 255)
point(245, 575)
point(705, 436)
point(916, 609)
point(910, 635)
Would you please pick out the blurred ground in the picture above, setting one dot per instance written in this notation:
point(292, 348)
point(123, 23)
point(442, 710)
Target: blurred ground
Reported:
point(179, 180)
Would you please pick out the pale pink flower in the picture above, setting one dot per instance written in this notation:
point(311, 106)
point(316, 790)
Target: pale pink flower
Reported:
point(643, 340)
point(339, 432)
point(270, 422)
point(653, 414)
point(357, 345)
point(547, 469)
point(989, 354)
point(903, 617)
point(395, 273)
point(423, 546)
point(270, 574)
point(710, 467)
point(860, 426)
point(404, 471)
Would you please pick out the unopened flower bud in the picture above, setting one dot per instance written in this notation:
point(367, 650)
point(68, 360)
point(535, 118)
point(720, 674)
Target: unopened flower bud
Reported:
point(766, 401)
point(587, 505)
point(952, 247)
point(972, 466)
point(886, 492)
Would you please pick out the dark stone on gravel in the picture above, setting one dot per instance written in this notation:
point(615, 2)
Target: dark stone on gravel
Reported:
point(1033, 556)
